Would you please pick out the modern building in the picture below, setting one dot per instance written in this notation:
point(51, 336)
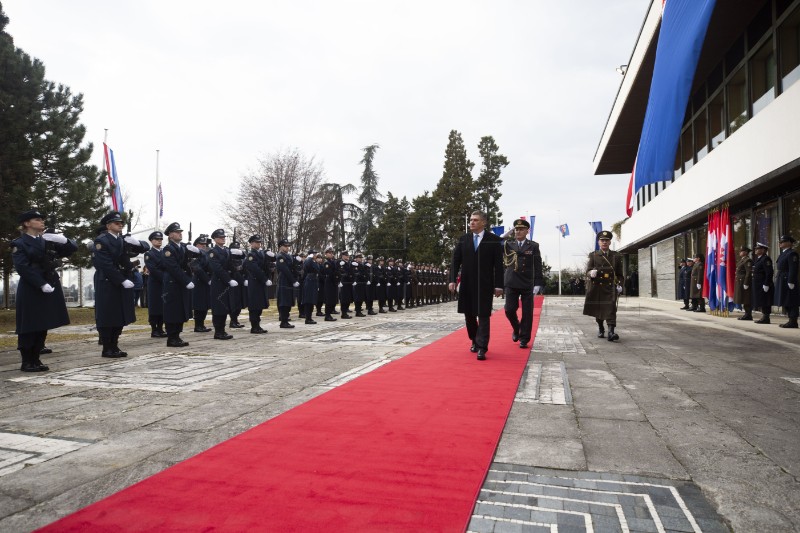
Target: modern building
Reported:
point(739, 144)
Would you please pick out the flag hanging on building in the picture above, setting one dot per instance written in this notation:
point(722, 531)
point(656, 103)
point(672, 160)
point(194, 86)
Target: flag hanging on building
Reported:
point(113, 179)
point(531, 219)
point(564, 229)
point(160, 202)
point(597, 227)
point(726, 261)
point(683, 29)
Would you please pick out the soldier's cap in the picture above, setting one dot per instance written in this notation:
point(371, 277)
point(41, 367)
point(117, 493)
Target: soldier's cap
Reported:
point(172, 228)
point(762, 245)
point(604, 235)
point(254, 238)
point(390, 259)
point(113, 216)
point(329, 250)
point(745, 249)
point(359, 254)
point(202, 239)
point(379, 258)
point(369, 257)
point(690, 259)
point(787, 238)
point(234, 245)
point(312, 252)
point(345, 252)
point(155, 235)
point(683, 260)
point(218, 233)
point(698, 255)
point(398, 260)
point(27, 215)
point(520, 223)
point(284, 242)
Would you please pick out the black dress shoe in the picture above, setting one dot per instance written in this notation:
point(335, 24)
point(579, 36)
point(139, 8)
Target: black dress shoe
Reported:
point(523, 344)
point(114, 354)
point(286, 325)
point(309, 321)
point(762, 321)
point(514, 336)
point(177, 343)
point(45, 350)
point(371, 312)
point(360, 314)
point(382, 310)
point(236, 325)
point(320, 313)
point(745, 317)
point(473, 348)
point(690, 309)
point(601, 334)
point(202, 330)
point(41, 366)
point(346, 316)
point(481, 355)
point(392, 310)
point(685, 307)
point(223, 336)
point(257, 331)
point(30, 367)
point(792, 324)
point(612, 336)
point(158, 335)
point(330, 319)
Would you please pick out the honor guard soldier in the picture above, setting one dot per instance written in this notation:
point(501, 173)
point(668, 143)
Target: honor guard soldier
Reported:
point(696, 285)
point(391, 284)
point(330, 278)
point(523, 280)
point(178, 284)
point(401, 277)
point(40, 304)
point(155, 285)
point(787, 288)
point(744, 280)
point(370, 286)
point(311, 269)
point(345, 269)
point(379, 280)
point(256, 268)
point(113, 273)
point(360, 278)
point(763, 286)
point(286, 283)
point(604, 269)
point(297, 270)
point(221, 282)
point(689, 266)
point(684, 277)
point(201, 276)
point(236, 293)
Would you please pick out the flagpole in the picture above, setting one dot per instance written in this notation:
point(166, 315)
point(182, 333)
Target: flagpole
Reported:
point(561, 236)
point(158, 184)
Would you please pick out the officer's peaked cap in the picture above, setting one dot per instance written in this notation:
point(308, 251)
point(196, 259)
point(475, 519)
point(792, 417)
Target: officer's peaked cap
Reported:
point(173, 227)
point(787, 238)
point(155, 235)
point(762, 245)
point(254, 238)
point(284, 242)
point(27, 215)
point(521, 223)
point(113, 216)
point(218, 233)
point(604, 235)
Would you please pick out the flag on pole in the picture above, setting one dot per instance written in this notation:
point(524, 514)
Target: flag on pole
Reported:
point(531, 219)
point(498, 230)
point(564, 229)
point(710, 285)
point(725, 259)
point(160, 202)
point(597, 227)
point(113, 179)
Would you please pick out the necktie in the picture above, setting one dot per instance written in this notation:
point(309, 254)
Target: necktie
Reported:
point(475, 237)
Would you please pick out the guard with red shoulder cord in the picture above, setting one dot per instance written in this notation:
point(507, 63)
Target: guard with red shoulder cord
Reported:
point(604, 270)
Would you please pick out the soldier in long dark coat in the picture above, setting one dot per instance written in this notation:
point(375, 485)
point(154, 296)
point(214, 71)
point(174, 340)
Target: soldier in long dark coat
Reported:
point(256, 268)
point(523, 280)
point(40, 299)
point(155, 303)
point(763, 286)
point(478, 257)
point(402, 281)
point(221, 281)
point(201, 276)
point(379, 280)
point(178, 284)
point(286, 283)
point(787, 287)
point(604, 269)
point(311, 269)
point(113, 282)
point(236, 294)
point(346, 278)
point(684, 276)
point(330, 279)
point(360, 278)
point(696, 282)
point(744, 280)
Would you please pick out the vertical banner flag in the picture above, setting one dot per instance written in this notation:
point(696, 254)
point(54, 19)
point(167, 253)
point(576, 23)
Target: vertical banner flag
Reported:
point(160, 202)
point(564, 229)
point(683, 29)
point(113, 179)
point(597, 227)
point(531, 219)
point(726, 261)
point(710, 285)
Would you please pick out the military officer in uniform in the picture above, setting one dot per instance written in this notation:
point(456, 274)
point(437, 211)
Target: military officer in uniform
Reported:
point(379, 280)
point(311, 269)
point(113, 282)
point(286, 283)
point(221, 282)
point(523, 280)
point(256, 268)
point(201, 277)
point(684, 275)
point(787, 288)
point(155, 303)
point(236, 293)
point(744, 281)
point(346, 278)
point(360, 278)
point(331, 283)
point(178, 284)
point(763, 286)
point(401, 277)
point(696, 285)
point(604, 269)
point(40, 298)
point(370, 285)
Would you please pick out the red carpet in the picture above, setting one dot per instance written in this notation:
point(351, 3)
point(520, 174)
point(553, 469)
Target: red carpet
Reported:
point(403, 448)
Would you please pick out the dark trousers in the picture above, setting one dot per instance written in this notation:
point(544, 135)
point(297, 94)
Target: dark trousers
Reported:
point(32, 342)
point(523, 328)
point(255, 318)
point(156, 321)
point(478, 330)
point(219, 322)
point(174, 328)
point(200, 317)
point(792, 312)
point(699, 303)
point(283, 313)
point(109, 335)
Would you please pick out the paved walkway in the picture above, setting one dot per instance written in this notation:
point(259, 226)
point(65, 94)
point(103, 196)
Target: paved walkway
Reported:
point(690, 423)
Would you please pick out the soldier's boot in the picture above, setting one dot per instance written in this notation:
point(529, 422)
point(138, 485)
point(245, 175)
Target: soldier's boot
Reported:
point(400, 307)
point(764, 319)
point(371, 312)
point(27, 362)
point(359, 313)
point(381, 310)
point(41, 367)
point(392, 309)
point(612, 336)
point(199, 322)
point(329, 318)
point(747, 315)
point(115, 348)
point(160, 328)
point(175, 341)
point(319, 311)
point(792, 324)
point(108, 350)
point(286, 325)
point(45, 350)
point(221, 335)
point(601, 331)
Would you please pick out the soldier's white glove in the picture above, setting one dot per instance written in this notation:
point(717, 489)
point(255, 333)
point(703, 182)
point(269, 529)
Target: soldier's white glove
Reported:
point(340, 285)
point(130, 239)
point(398, 284)
point(269, 283)
point(128, 284)
point(47, 288)
point(537, 289)
point(379, 285)
point(593, 273)
point(341, 263)
point(296, 284)
point(190, 285)
point(746, 287)
point(236, 251)
point(369, 283)
point(233, 283)
point(791, 286)
point(270, 253)
point(192, 248)
point(297, 257)
point(698, 286)
point(57, 237)
point(209, 282)
point(765, 287)
point(368, 265)
point(619, 289)
point(245, 282)
point(354, 264)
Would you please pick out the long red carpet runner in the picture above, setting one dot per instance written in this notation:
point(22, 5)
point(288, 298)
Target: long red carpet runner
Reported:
point(403, 448)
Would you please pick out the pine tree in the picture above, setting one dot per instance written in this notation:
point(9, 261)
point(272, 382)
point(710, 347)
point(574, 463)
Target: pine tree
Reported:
point(424, 233)
point(389, 237)
point(454, 194)
point(488, 183)
point(369, 199)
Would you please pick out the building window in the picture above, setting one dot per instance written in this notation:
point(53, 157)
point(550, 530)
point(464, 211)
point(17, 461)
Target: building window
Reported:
point(766, 225)
point(716, 119)
point(789, 42)
point(737, 100)
point(742, 231)
point(792, 209)
point(700, 135)
point(762, 74)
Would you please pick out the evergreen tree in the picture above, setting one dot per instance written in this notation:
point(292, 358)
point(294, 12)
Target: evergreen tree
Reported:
point(369, 199)
point(337, 215)
point(424, 232)
point(389, 237)
point(488, 183)
point(454, 194)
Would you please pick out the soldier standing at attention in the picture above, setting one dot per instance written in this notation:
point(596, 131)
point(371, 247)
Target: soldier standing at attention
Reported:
point(787, 289)
point(696, 285)
point(379, 280)
point(236, 293)
point(256, 269)
point(221, 281)
point(201, 276)
point(331, 282)
point(744, 279)
point(763, 287)
point(311, 269)
point(178, 284)
point(286, 283)
point(684, 275)
point(523, 280)
point(155, 303)
point(40, 298)
point(114, 305)
point(604, 269)
point(360, 277)
point(345, 270)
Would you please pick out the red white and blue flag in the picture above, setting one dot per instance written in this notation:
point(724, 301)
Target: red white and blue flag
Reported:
point(563, 229)
point(720, 261)
point(531, 220)
point(113, 179)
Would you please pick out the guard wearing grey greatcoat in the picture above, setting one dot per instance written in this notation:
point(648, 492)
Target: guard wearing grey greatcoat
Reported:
point(605, 275)
point(787, 285)
point(763, 286)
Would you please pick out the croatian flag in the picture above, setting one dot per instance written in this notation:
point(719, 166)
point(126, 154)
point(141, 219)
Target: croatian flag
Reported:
point(726, 260)
point(113, 179)
point(711, 280)
point(564, 229)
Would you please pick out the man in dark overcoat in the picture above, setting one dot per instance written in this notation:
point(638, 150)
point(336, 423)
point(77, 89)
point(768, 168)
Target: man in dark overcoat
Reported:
point(523, 280)
point(286, 283)
point(256, 269)
point(696, 282)
point(221, 282)
point(201, 276)
point(178, 284)
point(330, 280)
point(684, 275)
point(311, 269)
point(604, 269)
point(360, 277)
point(763, 285)
point(787, 288)
point(346, 278)
point(744, 281)
point(478, 257)
point(155, 306)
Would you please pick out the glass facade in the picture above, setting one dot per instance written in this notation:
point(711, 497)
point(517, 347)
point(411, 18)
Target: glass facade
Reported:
point(791, 209)
point(767, 225)
point(789, 44)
